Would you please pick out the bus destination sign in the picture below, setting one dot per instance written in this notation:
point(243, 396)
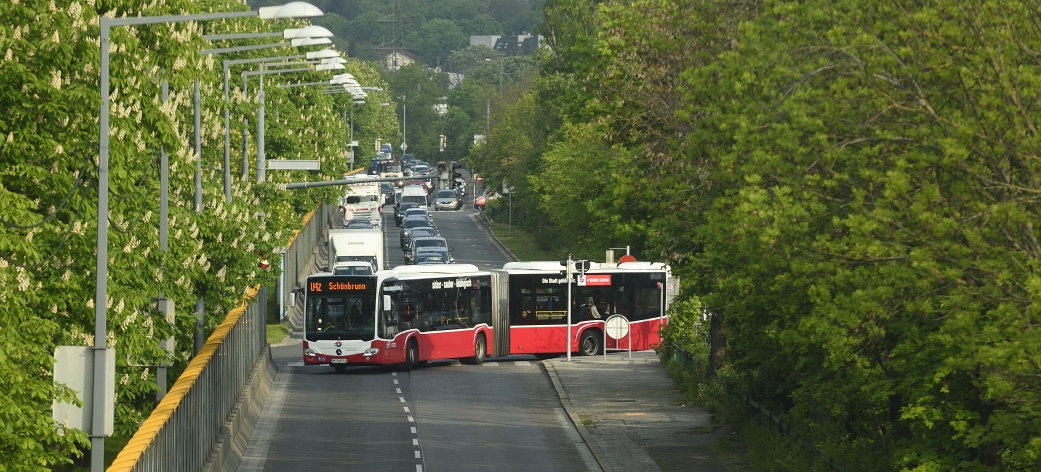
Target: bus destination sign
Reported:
point(337, 286)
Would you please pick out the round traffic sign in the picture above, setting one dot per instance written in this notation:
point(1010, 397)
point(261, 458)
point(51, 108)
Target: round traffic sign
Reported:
point(616, 326)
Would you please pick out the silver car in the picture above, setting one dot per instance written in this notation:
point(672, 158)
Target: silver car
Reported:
point(447, 199)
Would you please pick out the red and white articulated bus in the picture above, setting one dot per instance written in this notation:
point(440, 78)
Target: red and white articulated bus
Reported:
point(405, 316)
point(537, 300)
point(413, 314)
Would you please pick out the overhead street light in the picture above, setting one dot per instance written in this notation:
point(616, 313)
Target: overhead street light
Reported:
point(330, 66)
point(322, 54)
point(312, 31)
point(299, 42)
point(100, 403)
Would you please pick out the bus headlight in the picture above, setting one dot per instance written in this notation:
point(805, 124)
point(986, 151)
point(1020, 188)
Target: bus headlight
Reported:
point(372, 351)
point(308, 352)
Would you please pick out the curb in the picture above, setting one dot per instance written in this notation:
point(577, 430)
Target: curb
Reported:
point(288, 341)
point(565, 402)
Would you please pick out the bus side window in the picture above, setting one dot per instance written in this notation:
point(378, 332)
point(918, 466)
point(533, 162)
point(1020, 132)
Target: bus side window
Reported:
point(390, 321)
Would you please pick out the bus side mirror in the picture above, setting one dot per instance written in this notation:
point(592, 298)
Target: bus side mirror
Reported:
point(386, 303)
point(292, 296)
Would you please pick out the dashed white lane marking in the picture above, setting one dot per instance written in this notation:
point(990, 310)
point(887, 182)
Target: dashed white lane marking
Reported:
point(402, 399)
point(406, 409)
point(413, 430)
point(395, 381)
point(398, 390)
point(491, 364)
point(415, 442)
point(295, 364)
point(419, 468)
point(411, 419)
point(522, 362)
point(417, 454)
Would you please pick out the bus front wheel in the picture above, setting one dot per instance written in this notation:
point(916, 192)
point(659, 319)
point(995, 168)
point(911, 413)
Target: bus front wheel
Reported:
point(411, 356)
point(590, 344)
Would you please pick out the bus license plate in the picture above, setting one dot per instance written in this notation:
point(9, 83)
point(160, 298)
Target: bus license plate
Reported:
point(338, 361)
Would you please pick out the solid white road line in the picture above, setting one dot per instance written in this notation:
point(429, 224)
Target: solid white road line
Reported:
point(580, 446)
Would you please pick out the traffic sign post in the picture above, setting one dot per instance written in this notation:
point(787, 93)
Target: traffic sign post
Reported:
point(617, 327)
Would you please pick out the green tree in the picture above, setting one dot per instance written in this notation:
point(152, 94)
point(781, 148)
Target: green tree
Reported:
point(436, 39)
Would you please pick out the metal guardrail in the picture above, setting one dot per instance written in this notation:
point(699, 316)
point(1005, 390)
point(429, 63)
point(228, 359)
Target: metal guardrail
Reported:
point(183, 429)
point(681, 356)
point(301, 260)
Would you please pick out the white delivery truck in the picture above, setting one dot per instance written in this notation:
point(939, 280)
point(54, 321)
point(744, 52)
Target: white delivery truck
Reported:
point(347, 246)
point(363, 200)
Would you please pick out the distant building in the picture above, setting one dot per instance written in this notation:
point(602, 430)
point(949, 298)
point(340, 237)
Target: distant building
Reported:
point(520, 44)
point(399, 59)
point(488, 41)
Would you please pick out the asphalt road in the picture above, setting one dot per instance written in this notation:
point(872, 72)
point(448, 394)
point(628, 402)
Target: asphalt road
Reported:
point(503, 415)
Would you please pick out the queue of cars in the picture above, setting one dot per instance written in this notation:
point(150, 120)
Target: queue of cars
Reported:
point(418, 236)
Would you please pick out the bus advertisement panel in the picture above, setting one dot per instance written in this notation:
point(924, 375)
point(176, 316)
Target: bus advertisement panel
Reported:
point(538, 294)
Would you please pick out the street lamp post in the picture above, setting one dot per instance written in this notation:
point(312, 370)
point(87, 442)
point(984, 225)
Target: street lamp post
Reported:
point(312, 31)
point(500, 71)
point(261, 158)
point(98, 411)
point(245, 123)
point(404, 123)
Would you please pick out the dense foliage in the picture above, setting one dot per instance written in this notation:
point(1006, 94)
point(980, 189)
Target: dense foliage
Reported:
point(849, 187)
point(49, 82)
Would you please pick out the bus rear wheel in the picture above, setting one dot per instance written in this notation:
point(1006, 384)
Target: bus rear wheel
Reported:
point(590, 344)
point(411, 356)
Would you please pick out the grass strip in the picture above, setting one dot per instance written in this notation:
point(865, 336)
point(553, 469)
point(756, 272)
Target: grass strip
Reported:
point(523, 244)
point(276, 333)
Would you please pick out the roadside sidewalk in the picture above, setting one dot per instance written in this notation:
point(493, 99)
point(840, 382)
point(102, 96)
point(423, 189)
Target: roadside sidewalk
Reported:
point(631, 416)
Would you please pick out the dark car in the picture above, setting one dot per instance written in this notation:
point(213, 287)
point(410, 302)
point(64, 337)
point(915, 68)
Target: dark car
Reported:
point(447, 199)
point(420, 211)
point(420, 232)
point(387, 189)
point(432, 256)
point(399, 212)
point(409, 223)
point(418, 245)
point(359, 223)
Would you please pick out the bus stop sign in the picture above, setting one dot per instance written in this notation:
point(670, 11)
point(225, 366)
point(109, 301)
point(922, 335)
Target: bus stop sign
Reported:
point(617, 327)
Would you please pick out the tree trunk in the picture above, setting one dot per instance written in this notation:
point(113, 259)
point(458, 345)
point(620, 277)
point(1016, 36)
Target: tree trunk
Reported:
point(717, 344)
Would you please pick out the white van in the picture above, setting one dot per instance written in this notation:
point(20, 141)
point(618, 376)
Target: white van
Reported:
point(414, 194)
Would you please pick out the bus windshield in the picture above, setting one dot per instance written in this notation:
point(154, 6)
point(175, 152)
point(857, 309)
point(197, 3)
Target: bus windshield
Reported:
point(342, 318)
